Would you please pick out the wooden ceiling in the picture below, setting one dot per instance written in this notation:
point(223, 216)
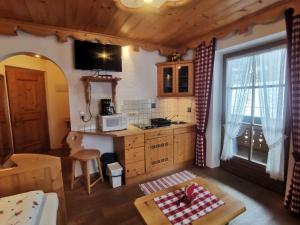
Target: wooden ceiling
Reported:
point(172, 28)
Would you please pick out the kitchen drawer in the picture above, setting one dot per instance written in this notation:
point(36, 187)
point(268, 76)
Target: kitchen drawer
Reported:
point(134, 155)
point(159, 133)
point(184, 130)
point(134, 169)
point(134, 141)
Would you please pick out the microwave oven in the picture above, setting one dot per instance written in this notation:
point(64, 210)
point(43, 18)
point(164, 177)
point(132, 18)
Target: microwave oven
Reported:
point(113, 122)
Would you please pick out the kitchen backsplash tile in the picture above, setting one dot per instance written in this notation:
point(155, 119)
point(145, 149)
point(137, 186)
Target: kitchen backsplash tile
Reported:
point(140, 111)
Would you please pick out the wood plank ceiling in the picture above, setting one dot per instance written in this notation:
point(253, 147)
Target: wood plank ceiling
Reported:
point(172, 27)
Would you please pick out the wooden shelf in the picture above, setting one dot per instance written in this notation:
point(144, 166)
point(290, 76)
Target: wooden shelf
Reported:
point(87, 79)
point(100, 79)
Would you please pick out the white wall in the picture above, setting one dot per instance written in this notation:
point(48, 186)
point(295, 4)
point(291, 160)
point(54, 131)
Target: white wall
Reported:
point(138, 76)
point(257, 35)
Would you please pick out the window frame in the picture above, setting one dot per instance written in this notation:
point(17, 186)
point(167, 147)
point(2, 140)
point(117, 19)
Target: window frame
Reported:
point(250, 51)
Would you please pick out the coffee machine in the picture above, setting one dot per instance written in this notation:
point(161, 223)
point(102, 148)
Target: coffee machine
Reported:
point(106, 107)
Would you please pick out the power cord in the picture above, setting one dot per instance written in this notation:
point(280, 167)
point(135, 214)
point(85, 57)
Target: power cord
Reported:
point(88, 107)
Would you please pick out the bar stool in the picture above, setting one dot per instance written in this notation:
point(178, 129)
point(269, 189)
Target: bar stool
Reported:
point(83, 156)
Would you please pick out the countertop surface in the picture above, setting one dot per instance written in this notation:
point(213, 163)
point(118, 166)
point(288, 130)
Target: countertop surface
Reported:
point(133, 130)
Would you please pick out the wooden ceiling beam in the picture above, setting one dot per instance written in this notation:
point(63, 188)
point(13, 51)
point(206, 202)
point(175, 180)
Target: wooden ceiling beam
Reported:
point(11, 27)
point(263, 16)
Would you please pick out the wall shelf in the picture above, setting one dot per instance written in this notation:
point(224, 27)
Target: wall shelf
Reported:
point(87, 79)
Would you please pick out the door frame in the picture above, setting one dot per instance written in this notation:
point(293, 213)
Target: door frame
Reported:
point(7, 111)
point(9, 104)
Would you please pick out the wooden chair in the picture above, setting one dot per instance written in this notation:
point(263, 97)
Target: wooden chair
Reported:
point(79, 153)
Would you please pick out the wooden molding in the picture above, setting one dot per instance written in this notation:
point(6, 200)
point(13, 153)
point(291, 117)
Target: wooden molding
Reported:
point(264, 16)
point(11, 27)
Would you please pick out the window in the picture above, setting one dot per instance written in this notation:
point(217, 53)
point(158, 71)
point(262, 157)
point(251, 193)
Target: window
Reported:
point(254, 109)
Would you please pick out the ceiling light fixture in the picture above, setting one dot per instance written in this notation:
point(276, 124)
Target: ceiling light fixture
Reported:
point(156, 4)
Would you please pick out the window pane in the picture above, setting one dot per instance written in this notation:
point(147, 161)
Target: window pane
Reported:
point(239, 72)
point(233, 102)
point(269, 69)
point(260, 147)
point(243, 141)
point(271, 94)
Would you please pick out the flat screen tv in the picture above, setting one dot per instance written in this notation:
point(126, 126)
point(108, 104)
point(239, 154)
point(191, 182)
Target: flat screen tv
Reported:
point(96, 56)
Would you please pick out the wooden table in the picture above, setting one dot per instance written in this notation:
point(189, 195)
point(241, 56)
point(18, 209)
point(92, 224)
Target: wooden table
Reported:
point(151, 214)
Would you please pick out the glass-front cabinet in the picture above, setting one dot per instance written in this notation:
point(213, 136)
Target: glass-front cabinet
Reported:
point(175, 79)
point(168, 79)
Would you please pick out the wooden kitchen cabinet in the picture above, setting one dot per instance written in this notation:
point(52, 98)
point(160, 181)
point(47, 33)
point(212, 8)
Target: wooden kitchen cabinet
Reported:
point(175, 79)
point(131, 154)
point(184, 144)
point(147, 153)
point(158, 150)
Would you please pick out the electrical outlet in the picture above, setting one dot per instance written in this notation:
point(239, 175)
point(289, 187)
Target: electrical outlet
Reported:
point(82, 114)
point(153, 105)
point(189, 109)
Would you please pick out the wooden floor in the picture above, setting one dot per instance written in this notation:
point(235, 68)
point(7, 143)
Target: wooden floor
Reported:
point(109, 206)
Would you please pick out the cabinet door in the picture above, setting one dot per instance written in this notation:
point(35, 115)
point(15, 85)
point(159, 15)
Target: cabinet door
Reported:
point(184, 147)
point(166, 80)
point(184, 79)
point(159, 153)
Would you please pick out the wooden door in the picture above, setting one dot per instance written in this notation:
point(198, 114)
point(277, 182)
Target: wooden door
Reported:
point(159, 153)
point(28, 110)
point(166, 80)
point(5, 133)
point(185, 79)
point(184, 147)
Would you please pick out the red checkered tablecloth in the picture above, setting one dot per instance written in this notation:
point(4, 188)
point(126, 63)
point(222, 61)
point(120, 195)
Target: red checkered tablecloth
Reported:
point(182, 214)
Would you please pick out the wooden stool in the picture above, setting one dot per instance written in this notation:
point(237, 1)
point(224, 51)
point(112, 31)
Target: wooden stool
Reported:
point(83, 157)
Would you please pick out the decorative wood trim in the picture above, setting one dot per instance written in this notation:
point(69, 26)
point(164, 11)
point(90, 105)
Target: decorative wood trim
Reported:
point(87, 79)
point(263, 16)
point(11, 27)
point(266, 15)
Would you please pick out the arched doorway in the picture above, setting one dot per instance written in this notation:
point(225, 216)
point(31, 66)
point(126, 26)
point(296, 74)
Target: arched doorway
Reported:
point(34, 105)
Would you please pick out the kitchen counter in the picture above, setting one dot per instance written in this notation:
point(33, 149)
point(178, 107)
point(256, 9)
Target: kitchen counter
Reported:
point(133, 130)
point(147, 153)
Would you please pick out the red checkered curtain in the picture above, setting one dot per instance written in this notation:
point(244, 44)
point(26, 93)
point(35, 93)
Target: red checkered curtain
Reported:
point(293, 34)
point(204, 62)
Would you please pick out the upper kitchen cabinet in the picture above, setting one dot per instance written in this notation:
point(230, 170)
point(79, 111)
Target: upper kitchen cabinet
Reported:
point(175, 79)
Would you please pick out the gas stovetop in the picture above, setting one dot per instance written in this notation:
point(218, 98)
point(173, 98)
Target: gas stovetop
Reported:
point(144, 126)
